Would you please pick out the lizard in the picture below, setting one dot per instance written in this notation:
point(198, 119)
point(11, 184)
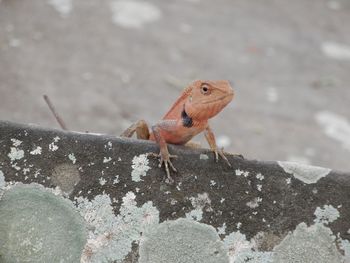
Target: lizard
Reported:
point(187, 117)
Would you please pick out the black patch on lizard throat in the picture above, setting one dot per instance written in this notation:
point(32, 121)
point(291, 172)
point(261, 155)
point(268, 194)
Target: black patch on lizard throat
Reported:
point(186, 120)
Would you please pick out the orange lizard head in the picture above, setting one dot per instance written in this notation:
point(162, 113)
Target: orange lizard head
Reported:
point(208, 98)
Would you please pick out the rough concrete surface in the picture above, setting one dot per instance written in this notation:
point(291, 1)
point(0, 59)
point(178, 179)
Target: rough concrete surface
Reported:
point(109, 62)
point(99, 198)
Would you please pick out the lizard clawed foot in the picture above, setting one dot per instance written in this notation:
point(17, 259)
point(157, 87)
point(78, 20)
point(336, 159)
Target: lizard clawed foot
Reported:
point(220, 152)
point(167, 163)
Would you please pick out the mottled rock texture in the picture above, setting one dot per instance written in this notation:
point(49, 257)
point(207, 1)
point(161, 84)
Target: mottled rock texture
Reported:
point(121, 208)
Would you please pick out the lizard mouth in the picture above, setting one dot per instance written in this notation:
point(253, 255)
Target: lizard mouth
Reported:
point(217, 99)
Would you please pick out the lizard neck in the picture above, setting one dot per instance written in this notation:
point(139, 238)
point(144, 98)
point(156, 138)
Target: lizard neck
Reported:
point(186, 120)
point(189, 122)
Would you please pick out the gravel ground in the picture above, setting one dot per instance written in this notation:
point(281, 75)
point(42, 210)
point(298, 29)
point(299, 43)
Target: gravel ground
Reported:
point(108, 63)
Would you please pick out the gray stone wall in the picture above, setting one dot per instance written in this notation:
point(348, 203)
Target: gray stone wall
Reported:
point(75, 197)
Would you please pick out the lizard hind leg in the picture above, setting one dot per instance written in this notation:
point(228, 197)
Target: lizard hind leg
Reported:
point(141, 129)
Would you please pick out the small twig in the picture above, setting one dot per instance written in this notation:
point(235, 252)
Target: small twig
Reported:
point(54, 112)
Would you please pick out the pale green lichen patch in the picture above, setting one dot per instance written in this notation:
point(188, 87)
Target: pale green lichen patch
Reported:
point(107, 159)
point(222, 230)
point(65, 176)
point(196, 214)
point(305, 173)
point(116, 179)
point(52, 146)
point(203, 156)
point(41, 229)
point(36, 151)
point(15, 154)
point(16, 142)
point(2, 184)
point(345, 246)
point(254, 203)
point(102, 181)
point(182, 241)
point(326, 215)
point(2, 180)
point(139, 167)
point(240, 250)
point(239, 172)
point(112, 236)
point(202, 201)
point(260, 176)
point(314, 244)
point(72, 157)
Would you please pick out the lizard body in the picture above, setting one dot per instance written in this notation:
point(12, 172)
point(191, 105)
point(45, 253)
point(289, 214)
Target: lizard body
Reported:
point(188, 116)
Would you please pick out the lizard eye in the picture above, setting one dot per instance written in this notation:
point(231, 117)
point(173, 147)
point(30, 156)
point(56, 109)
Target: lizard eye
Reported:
point(205, 89)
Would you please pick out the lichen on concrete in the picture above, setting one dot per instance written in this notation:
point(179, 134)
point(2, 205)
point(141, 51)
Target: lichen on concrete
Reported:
point(222, 229)
point(260, 176)
point(240, 250)
point(345, 246)
point(107, 159)
point(314, 244)
point(195, 214)
point(102, 181)
point(2, 180)
point(239, 172)
point(72, 157)
point(227, 199)
point(52, 146)
point(305, 173)
point(199, 203)
point(139, 167)
point(2, 183)
point(16, 142)
point(326, 215)
point(36, 151)
point(15, 154)
point(203, 156)
point(111, 237)
point(41, 229)
point(254, 203)
point(65, 176)
point(182, 241)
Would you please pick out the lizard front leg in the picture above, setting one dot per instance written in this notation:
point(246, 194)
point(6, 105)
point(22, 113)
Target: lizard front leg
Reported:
point(209, 135)
point(164, 153)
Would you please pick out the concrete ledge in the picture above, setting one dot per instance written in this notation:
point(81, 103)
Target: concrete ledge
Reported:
point(70, 197)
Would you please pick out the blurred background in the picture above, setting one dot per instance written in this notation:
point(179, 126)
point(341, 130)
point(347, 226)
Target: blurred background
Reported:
point(108, 63)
